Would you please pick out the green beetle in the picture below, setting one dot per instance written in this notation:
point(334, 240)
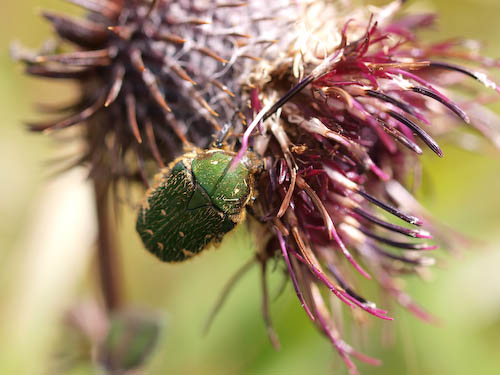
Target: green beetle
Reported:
point(194, 203)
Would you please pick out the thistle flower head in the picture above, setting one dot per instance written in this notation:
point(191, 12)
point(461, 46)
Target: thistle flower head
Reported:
point(338, 101)
point(340, 120)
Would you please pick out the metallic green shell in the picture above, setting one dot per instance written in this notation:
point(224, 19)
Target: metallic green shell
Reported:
point(194, 204)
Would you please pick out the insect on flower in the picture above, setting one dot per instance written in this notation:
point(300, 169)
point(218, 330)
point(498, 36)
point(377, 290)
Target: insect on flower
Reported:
point(195, 202)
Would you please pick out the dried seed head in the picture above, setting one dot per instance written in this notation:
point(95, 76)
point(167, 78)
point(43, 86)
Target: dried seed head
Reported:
point(155, 76)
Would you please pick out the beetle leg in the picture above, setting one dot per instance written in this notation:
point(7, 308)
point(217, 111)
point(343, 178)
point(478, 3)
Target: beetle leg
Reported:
point(253, 214)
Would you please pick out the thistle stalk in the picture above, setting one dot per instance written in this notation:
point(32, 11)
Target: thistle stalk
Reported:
point(108, 260)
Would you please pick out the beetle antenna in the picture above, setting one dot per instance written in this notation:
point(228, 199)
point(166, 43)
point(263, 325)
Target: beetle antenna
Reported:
point(222, 135)
point(225, 293)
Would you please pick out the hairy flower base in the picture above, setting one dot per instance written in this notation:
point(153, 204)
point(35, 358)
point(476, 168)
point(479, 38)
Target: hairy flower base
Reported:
point(338, 101)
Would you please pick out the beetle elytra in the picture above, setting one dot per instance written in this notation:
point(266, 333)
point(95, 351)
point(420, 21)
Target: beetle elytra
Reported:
point(194, 203)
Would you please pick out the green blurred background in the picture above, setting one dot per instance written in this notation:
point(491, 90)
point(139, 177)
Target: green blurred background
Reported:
point(462, 190)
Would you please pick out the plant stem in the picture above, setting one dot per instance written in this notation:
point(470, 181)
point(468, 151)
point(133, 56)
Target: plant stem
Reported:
point(107, 257)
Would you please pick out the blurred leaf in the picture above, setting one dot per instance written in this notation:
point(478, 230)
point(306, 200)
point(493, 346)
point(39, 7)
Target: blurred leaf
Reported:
point(131, 339)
